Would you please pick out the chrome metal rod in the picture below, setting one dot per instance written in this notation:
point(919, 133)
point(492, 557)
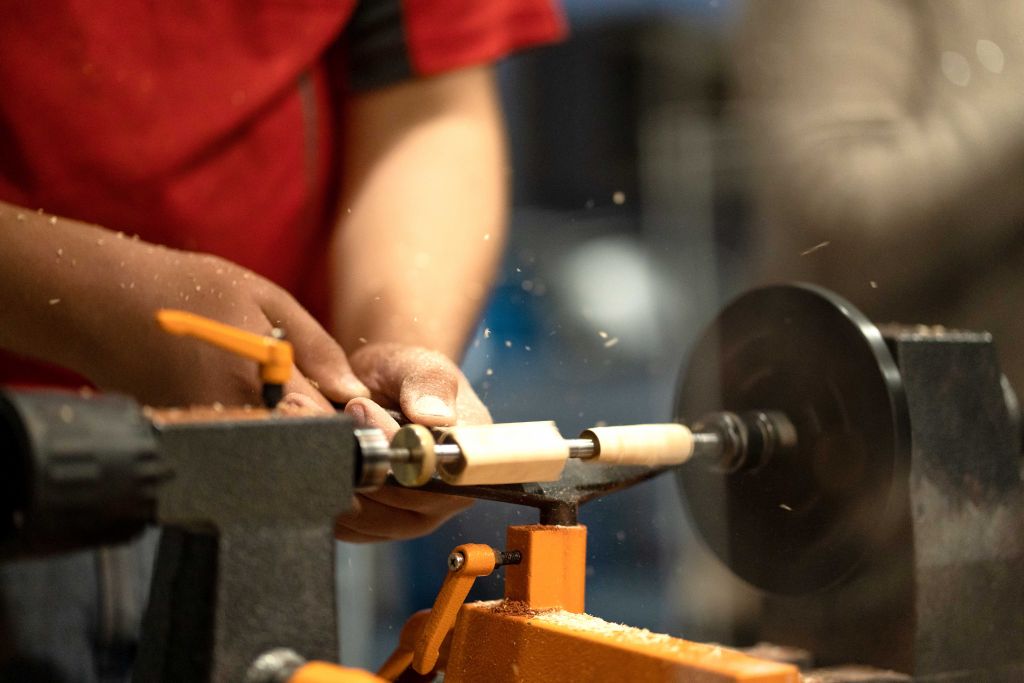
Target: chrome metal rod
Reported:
point(707, 445)
point(450, 452)
point(445, 452)
point(581, 448)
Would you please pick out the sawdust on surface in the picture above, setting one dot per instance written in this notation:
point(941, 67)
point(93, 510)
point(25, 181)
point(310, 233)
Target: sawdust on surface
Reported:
point(712, 655)
point(219, 413)
point(515, 608)
point(629, 635)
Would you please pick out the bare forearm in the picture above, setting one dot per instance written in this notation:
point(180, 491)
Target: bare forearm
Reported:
point(83, 297)
point(423, 220)
point(56, 277)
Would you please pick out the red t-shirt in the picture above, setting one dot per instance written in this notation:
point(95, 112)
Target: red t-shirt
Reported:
point(213, 126)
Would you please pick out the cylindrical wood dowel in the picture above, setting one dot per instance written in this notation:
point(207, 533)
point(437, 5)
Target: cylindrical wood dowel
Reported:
point(654, 445)
point(509, 453)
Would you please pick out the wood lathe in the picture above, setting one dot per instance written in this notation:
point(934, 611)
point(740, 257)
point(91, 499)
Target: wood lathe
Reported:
point(869, 484)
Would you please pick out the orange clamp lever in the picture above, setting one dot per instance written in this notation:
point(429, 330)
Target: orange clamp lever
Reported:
point(274, 355)
point(465, 563)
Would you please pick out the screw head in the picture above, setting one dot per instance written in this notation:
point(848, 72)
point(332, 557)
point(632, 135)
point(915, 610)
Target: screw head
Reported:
point(456, 561)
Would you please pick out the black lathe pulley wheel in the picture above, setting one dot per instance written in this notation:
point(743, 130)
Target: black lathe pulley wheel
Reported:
point(803, 519)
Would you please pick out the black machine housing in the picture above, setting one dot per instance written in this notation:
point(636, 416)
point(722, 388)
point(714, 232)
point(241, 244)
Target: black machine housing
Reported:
point(892, 536)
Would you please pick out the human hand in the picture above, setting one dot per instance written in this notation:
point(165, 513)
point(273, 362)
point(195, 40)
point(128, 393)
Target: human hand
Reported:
point(136, 357)
point(425, 385)
point(430, 390)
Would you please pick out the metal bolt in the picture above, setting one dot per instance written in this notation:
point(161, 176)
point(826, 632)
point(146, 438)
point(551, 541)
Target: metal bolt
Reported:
point(455, 561)
point(503, 557)
point(274, 666)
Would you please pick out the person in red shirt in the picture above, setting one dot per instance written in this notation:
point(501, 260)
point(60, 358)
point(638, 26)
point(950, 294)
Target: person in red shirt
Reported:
point(335, 168)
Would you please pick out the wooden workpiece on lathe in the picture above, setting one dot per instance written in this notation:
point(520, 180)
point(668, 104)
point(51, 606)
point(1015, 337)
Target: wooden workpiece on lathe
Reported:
point(651, 445)
point(508, 453)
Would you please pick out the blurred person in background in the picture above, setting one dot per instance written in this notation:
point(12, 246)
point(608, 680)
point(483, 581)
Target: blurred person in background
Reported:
point(226, 138)
point(888, 144)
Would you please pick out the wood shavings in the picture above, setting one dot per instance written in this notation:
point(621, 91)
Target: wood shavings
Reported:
point(816, 247)
point(515, 608)
point(597, 626)
point(584, 623)
point(216, 412)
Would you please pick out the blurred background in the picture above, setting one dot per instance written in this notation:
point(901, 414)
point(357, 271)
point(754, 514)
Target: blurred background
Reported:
point(627, 235)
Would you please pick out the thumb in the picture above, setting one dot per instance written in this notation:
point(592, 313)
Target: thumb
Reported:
point(318, 356)
point(424, 383)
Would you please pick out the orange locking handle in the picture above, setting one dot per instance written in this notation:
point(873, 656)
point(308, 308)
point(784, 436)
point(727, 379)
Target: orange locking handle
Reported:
point(429, 630)
point(274, 355)
point(401, 658)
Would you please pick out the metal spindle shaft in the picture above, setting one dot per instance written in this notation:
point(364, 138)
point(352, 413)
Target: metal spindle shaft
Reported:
point(581, 448)
point(445, 452)
point(720, 440)
point(705, 444)
point(449, 452)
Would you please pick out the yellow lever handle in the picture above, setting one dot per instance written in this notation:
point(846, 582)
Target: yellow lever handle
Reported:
point(275, 356)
